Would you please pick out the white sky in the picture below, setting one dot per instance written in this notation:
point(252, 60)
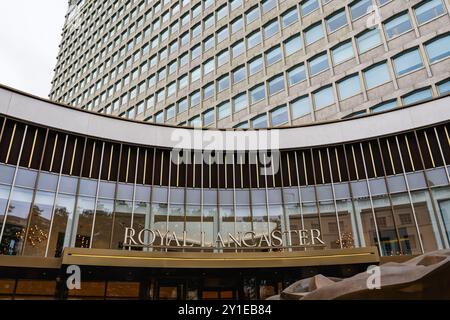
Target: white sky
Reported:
point(30, 32)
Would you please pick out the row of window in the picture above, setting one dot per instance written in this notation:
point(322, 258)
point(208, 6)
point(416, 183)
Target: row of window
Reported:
point(373, 76)
point(335, 21)
point(340, 53)
point(302, 106)
point(152, 28)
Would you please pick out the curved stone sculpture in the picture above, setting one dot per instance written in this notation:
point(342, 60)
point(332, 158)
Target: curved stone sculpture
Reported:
point(424, 277)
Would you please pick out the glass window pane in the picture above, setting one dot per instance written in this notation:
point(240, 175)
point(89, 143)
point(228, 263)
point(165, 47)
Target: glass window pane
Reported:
point(300, 107)
point(407, 62)
point(397, 26)
point(428, 10)
point(417, 96)
point(368, 40)
point(313, 34)
point(376, 75)
point(349, 87)
point(438, 49)
point(342, 53)
point(279, 116)
point(296, 74)
point(323, 97)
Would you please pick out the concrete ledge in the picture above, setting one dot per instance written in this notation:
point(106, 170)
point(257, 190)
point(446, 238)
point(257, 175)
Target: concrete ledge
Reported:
point(139, 259)
point(30, 262)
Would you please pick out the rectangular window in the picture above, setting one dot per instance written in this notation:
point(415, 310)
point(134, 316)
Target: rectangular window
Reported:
point(182, 105)
point(240, 102)
point(208, 91)
point(159, 117)
point(195, 99)
point(429, 10)
point(444, 87)
point(254, 39)
point(237, 25)
point(279, 116)
point(438, 49)
point(384, 106)
point(195, 74)
point(171, 89)
point(417, 96)
point(342, 52)
point(273, 55)
point(255, 66)
point(259, 122)
point(170, 112)
point(208, 66)
point(237, 49)
point(222, 58)
point(407, 62)
point(276, 85)
point(223, 83)
point(318, 64)
point(182, 82)
point(268, 5)
point(296, 74)
point(208, 43)
point(300, 107)
point(195, 122)
point(360, 8)
point(222, 34)
point(368, 40)
point(336, 21)
point(349, 87)
point(252, 14)
point(257, 94)
point(270, 29)
point(223, 110)
point(309, 6)
point(323, 97)
point(289, 17)
point(376, 75)
point(314, 33)
point(397, 26)
point(239, 75)
point(292, 45)
point(208, 117)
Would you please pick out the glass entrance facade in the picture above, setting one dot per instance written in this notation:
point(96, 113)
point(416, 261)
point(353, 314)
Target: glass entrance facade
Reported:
point(60, 190)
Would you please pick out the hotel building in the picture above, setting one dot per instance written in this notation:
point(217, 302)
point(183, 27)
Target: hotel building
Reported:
point(251, 64)
point(80, 186)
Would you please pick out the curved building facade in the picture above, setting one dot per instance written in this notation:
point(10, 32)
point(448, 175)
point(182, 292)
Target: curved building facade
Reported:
point(82, 188)
point(251, 64)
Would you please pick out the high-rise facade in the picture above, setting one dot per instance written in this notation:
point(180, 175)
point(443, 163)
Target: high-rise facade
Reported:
point(235, 63)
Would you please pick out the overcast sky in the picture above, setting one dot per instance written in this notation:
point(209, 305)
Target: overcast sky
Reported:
point(30, 32)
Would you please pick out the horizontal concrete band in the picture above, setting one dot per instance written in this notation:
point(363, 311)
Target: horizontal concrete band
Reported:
point(124, 258)
point(22, 106)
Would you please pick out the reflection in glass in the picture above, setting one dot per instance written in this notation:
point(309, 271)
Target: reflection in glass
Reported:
point(311, 216)
point(243, 219)
point(330, 228)
point(121, 221)
point(16, 221)
point(141, 218)
point(193, 224)
point(226, 222)
point(425, 220)
point(103, 224)
point(62, 224)
point(37, 234)
point(83, 222)
point(210, 225)
point(388, 233)
point(4, 195)
point(444, 207)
